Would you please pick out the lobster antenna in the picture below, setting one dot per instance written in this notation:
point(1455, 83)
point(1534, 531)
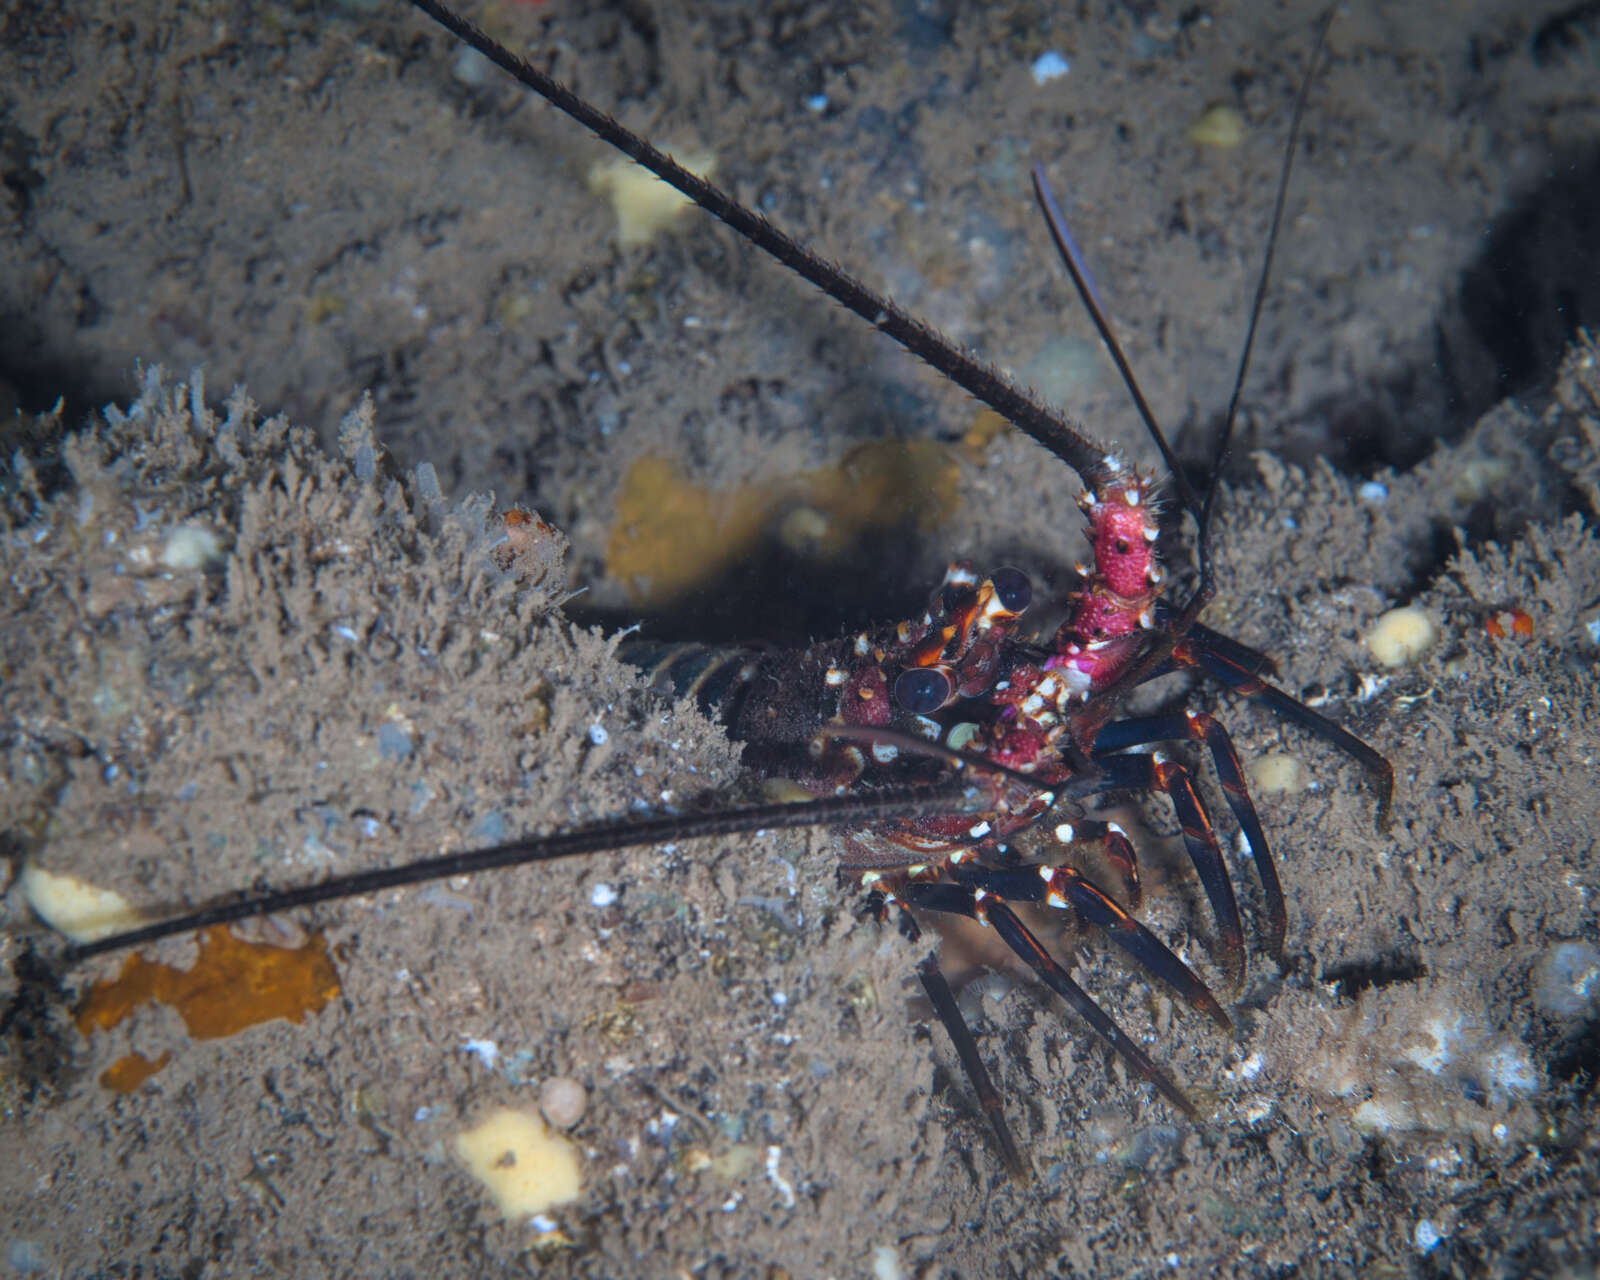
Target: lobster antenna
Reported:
point(600, 838)
point(1200, 509)
point(1181, 620)
point(1225, 440)
point(1067, 247)
point(983, 381)
point(606, 837)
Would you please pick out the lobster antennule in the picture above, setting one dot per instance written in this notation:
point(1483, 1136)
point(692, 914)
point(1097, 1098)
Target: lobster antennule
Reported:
point(983, 381)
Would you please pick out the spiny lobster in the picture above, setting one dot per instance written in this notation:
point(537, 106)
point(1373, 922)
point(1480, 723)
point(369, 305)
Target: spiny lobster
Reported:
point(955, 718)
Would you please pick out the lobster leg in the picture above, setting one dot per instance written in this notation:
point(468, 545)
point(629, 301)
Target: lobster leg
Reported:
point(1201, 651)
point(1157, 772)
point(944, 1004)
point(1064, 887)
point(1199, 727)
point(976, 904)
point(1119, 851)
point(949, 1013)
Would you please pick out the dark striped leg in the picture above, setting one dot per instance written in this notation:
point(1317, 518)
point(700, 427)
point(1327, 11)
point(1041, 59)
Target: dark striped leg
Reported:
point(1157, 773)
point(944, 1004)
point(949, 1014)
point(961, 900)
point(1199, 727)
point(1064, 887)
point(1201, 651)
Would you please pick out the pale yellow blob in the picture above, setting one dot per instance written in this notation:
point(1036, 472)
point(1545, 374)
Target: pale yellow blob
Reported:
point(1278, 774)
point(1480, 478)
point(1401, 636)
point(525, 1167)
point(737, 1163)
point(1219, 125)
point(645, 205)
point(191, 546)
point(72, 906)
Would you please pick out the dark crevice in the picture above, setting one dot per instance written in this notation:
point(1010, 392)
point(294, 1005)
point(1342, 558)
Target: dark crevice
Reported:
point(1521, 299)
point(1578, 1059)
point(1378, 972)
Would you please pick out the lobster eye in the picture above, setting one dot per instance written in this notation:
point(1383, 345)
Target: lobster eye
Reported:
point(1012, 588)
point(921, 690)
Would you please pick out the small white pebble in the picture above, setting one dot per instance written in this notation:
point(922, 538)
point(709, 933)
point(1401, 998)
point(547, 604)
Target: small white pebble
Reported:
point(562, 1101)
point(190, 546)
point(1049, 66)
point(1373, 491)
point(602, 895)
point(1401, 636)
point(598, 734)
point(1566, 981)
point(1278, 774)
point(1426, 1236)
point(817, 102)
point(486, 1051)
point(885, 1263)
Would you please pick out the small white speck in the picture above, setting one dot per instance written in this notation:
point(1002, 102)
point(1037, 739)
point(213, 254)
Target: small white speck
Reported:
point(1289, 522)
point(1593, 628)
point(817, 102)
point(602, 895)
point(1426, 1236)
point(785, 1190)
point(486, 1051)
point(1174, 1261)
point(542, 1224)
point(598, 734)
point(421, 1115)
point(1373, 491)
point(732, 1202)
point(1500, 1132)
point(190, 546)
point(780, 999)
point(1049, 66)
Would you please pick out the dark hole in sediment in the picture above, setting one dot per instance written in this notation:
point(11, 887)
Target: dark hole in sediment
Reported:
point(1578, 1059)
point(1533, 283)
point(1379, 971)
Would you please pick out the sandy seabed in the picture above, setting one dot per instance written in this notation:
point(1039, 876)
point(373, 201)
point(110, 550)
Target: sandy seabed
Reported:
point(318, 205)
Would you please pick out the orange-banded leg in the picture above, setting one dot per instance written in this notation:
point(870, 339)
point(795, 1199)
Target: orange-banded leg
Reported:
point(1116, 846)
point(988, 908)
point(1198, 727)
point(1064, 887)
point(1240, 667)
point(1155, 772)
